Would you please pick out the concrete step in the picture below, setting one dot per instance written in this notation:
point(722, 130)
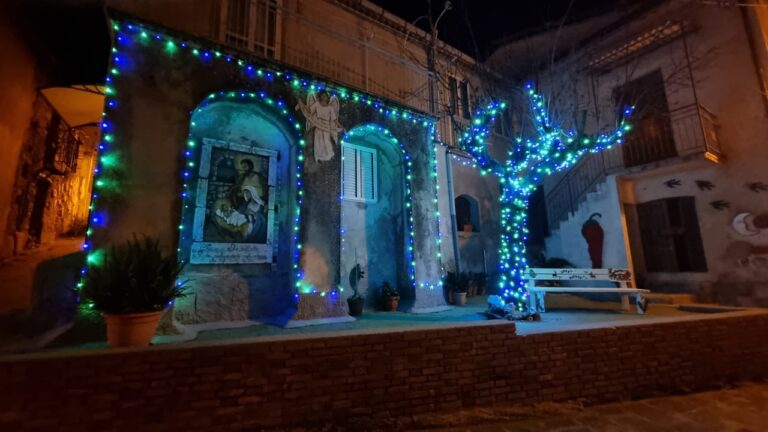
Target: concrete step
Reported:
point(670, 299)
point(708, 308)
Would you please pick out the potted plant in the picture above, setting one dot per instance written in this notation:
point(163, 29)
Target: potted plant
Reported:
point(460, 295)
point(456, 285)
point(481, 281)
point(449, 284)
point(356, 301)
point(471, 286)
point(132, 286)
point(390, 297)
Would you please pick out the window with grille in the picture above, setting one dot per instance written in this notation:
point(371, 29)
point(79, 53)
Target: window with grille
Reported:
point(458, 97)
point(252, 25)
point(464, 95)
point(359, 173)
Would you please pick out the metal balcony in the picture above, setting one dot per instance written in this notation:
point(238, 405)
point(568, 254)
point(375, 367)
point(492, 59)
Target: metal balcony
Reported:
point(688, 134)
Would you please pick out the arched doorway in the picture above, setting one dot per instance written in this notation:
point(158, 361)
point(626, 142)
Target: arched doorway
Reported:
point(373, 232)
point(467, 214)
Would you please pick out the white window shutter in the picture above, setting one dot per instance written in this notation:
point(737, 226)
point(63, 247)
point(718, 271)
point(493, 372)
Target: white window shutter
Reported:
point(349, 172)
point(359, 173)
point(367, 174)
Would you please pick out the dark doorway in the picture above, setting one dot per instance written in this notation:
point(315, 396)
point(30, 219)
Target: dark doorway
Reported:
point(467, 214)
point(42, 188)
point(651, 138)
point(669, 229)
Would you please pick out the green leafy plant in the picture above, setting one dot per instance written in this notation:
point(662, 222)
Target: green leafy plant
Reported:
point(389, 291)
point(457, 282)
point(133, 277)
point(355, 275)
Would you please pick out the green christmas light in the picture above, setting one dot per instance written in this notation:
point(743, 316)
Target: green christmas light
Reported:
point(554, 149)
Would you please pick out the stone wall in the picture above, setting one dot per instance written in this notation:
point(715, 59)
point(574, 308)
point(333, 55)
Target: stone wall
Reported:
point(16, 105)
point(726, 83)
point(567, 242)
point(284, 382)
point(161, 94)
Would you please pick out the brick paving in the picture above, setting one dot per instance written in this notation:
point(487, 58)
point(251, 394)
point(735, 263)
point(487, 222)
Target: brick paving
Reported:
point(740, 409)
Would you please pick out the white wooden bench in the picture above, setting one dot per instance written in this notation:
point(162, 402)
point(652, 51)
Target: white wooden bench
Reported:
point(621, 276)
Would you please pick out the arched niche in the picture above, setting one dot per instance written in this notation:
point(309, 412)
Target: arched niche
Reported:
point(467, 213)
point(237, 219)
point(373, 221)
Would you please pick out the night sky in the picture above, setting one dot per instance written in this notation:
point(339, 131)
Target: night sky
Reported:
point(492, 20)
point(77, 52)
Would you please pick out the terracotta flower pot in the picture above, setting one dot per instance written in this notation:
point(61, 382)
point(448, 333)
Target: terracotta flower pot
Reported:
point(356, 305)
point(390, 303)
point(471, 289)
point(131, 330)
point(459, 298)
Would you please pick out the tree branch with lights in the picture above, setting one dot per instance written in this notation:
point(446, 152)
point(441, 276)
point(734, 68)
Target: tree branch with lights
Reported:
point(551, 149)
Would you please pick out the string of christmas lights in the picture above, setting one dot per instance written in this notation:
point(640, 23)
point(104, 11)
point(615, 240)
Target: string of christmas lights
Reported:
point(110, 169)
point(553, 149)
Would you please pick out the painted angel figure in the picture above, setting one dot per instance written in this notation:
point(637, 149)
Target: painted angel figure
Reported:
point(322, 114)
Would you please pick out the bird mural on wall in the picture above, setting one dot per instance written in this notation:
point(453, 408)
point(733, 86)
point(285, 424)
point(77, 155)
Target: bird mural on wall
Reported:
point(705, 185)
point(757, 187)
point(673, 183)
point(720, 204)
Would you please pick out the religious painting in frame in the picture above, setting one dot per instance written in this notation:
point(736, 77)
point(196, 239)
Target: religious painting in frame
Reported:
point(234, 219)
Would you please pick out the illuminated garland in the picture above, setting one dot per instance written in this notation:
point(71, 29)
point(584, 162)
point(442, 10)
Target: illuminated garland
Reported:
point(109, 169)
point(370, 128)
point(278, 106)
point(553, 150)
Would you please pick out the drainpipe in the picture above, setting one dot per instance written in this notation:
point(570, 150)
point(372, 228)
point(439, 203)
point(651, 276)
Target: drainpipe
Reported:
point(452, 211)
point(367, 38)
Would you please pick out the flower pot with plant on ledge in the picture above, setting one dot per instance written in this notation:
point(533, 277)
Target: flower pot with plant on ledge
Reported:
point(456, 286)
point(390, 297)
point(481, 281)
point(459, 298)
point(356, 301)
point(131, 286)
point(471, 288)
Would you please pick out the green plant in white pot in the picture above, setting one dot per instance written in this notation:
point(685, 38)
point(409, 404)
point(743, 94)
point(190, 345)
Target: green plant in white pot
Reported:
point(131, 286)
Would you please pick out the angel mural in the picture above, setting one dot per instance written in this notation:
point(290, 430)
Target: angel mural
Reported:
point(322, 114)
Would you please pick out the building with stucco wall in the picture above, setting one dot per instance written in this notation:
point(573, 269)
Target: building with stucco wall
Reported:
point(682, 201)
point(277, 144)
point(225, 123)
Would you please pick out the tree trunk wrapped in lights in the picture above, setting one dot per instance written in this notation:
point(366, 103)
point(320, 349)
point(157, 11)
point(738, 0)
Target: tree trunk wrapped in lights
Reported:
point(552, 149)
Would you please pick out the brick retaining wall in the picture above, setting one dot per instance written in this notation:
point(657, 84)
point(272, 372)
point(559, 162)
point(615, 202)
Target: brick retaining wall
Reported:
point(288, 382)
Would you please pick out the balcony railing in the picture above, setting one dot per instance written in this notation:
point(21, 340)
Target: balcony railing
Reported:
point(690, 132)
point(61, 147)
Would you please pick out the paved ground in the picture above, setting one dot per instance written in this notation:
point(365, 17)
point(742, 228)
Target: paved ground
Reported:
point(740, 409)
point(565, 312)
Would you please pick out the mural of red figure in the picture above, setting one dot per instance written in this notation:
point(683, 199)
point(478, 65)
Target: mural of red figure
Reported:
point(593, 234)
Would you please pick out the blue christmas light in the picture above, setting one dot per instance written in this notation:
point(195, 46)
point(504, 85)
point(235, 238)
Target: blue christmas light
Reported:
point(553, 149)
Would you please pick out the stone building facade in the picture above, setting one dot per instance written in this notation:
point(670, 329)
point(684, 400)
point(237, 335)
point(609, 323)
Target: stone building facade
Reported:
point(208, 98)
point(682, 202)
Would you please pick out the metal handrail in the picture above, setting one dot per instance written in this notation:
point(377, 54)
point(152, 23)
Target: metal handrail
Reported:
point(694, 132)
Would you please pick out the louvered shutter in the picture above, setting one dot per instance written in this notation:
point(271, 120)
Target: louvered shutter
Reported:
point(349, 172)
point(367, 175)
point(359, 173)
